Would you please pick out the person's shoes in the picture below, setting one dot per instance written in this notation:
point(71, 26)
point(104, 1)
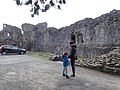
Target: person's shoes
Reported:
point(67, 77)
point(63, 74)
point(72, 76)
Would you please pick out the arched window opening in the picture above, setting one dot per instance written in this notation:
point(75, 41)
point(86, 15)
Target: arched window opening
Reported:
point(77, 37)
point(8, 34)
point(80, 38)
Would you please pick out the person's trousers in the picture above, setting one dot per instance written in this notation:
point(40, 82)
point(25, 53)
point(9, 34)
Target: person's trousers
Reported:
point(65, 70)
point(73, 66)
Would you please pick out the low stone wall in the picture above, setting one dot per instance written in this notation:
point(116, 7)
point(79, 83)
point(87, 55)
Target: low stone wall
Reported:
point(109, 62)
point(93, 51)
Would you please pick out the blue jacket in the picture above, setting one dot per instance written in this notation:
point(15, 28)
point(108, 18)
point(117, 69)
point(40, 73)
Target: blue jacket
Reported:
point(65, 60)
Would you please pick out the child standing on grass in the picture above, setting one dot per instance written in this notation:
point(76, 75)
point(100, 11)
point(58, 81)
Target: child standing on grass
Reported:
point(65, 64)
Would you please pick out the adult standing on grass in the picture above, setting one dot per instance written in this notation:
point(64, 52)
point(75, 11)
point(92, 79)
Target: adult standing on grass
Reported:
point(72, 57)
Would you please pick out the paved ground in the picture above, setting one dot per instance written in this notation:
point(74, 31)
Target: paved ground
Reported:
point(22, 72)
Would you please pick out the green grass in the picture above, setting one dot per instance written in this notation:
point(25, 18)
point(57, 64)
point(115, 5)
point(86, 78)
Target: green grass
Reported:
point(80, 59)
point(45, 53)
point(37, 55)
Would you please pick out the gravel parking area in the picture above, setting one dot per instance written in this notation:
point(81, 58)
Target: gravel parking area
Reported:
point(23, 72)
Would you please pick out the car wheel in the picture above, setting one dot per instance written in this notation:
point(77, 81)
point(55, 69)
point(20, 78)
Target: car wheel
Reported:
point(4, 53)
point(21, 53)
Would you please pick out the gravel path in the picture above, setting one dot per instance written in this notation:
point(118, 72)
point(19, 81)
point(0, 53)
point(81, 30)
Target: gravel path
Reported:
point(22, 72)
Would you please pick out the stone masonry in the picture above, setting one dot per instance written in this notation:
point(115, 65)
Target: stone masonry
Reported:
point(10, 35)
point(93, 37)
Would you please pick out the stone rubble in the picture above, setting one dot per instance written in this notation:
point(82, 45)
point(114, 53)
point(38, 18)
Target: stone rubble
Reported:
point(109, 62)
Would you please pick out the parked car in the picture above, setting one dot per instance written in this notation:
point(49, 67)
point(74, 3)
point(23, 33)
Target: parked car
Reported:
point(4, 49)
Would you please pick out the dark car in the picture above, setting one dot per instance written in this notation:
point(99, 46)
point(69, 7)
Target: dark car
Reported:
point(4, 49)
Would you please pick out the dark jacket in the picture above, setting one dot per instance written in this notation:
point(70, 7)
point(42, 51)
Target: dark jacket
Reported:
point(72, 55)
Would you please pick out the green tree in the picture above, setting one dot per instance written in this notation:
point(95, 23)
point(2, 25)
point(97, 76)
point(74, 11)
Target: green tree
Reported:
point(41, 5)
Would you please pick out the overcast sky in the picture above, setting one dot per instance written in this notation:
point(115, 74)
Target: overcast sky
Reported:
point(72, 11)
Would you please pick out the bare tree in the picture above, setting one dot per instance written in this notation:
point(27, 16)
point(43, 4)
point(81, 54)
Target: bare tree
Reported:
point(41, 5)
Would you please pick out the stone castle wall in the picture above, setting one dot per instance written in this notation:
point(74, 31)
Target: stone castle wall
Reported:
point(92, 36)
